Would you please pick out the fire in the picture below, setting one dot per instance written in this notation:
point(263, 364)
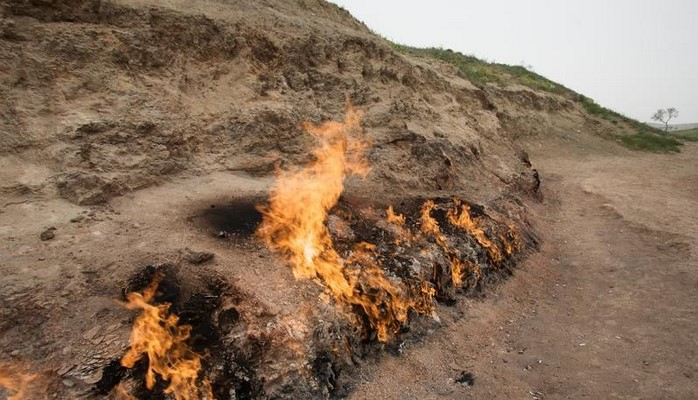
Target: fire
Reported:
point(461, 218)
point(15, 381)
point(515, 243)
point(457, 269)
point(431, 226)
point(402, 233)
point(157, 335)
point(393, 218)
point(122, 393)
point(294, 227)
point(385, 303)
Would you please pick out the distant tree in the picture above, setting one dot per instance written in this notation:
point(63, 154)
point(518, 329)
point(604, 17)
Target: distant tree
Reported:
point(664, 116)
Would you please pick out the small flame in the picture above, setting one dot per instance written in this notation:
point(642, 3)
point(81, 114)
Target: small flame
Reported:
point(515, 242)
point(157, 335)
point(402, 233)
point(431, 226)
point(15, 381)
point(457, 269)
point(294, 226)
point(122, 393)
point(393, 218)
point(508, 246)
point(460, 217)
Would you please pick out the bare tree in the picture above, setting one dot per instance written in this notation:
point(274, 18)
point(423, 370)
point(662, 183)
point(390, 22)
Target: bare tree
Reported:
point(664, 116)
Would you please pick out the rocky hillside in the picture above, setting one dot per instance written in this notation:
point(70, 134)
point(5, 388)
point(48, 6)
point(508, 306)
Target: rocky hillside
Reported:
point(105, 98)
point(126, 127)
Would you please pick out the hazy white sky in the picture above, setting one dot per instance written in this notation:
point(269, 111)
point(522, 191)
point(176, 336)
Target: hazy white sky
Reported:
point(633, 56)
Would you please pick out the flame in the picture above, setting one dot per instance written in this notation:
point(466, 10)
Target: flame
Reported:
point(402, 233)
point(15, 381)
point(461, 218)
point(515, 242)
point(294, 220)
point(157, 335)
point(506, 244)
point(393, 218)
point(385, 303)
point(122, 393)
point(457, 269)
point(431, 226)
point(294, 227)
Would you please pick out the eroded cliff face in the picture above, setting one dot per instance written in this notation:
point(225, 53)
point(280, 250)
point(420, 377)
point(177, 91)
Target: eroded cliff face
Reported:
point(171, 121)
point(109, 97)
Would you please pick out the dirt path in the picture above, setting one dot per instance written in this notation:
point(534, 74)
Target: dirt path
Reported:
point(607, 309)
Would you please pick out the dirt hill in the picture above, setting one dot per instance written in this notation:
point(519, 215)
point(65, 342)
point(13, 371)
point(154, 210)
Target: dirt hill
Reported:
point(105, 98)
point(144, 133)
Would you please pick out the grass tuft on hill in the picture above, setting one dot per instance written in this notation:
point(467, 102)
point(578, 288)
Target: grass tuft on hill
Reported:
point(690, 135)
point(655, 143)
point(481, 72)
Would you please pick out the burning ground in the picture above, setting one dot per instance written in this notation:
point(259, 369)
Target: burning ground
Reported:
point(196, 213)
point(377, 272)
point(190, 210)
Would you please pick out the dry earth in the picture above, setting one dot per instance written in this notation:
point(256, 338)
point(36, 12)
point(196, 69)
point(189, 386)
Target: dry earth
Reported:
point(605, 310)
point(129, 126)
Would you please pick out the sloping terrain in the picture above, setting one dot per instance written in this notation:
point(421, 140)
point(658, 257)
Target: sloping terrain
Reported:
point(107, 98)
point(137, 139)
point(603, 310)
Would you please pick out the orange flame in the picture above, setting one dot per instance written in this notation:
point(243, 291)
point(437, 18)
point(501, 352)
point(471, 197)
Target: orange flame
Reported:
point(15, 381)
point(431, 226)
point(507, 246)
point(393, 218)
point(157, 335)
point(457, 268)
point(515, 242)
point(402, 233)
point(122, 393)
point(461, 218)
point(385, 303)
point(294, 226)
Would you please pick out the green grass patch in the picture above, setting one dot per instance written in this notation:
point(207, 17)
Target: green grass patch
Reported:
point(594, 109)
point(655, 143)
point(690, 135)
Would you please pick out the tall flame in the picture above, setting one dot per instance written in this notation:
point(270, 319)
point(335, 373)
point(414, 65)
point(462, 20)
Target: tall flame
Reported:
point(15, 381)
point(294, 226)
point(157, 335)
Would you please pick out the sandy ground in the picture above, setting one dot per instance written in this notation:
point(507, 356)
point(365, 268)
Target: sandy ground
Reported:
point(607, 309)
